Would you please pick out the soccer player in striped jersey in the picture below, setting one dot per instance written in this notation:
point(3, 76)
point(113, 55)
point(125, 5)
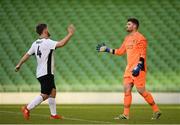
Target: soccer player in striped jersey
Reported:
point(134, 45)
point(43, 49)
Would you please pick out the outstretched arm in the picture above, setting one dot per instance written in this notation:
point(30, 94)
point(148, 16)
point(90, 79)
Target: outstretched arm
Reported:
point(103, 48)
point(120, 51)
point(71, 30)
point(22, 60)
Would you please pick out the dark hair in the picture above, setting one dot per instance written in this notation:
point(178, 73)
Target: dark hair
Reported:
point(40, 28)
point(134, 20)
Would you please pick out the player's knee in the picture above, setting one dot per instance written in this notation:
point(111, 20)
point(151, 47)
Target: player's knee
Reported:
point(53, 93)
point(143, 93)
point(128, 93)
point(128, 88)
point(45, 96)
point(141, 90)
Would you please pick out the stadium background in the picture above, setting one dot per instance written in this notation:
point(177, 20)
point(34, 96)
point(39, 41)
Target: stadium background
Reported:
point(78, 66)
point(89, 84)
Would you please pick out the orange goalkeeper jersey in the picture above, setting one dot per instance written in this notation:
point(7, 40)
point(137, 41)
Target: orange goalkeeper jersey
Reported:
point(134, 45)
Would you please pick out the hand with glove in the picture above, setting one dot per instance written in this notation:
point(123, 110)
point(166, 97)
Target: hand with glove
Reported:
point(102, 48)
point(139, 67)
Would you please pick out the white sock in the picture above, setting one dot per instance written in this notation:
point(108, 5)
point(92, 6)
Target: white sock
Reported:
point(52, 105)
point(36, 101)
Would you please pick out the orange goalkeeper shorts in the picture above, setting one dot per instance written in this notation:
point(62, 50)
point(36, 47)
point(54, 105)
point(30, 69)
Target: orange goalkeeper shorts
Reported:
point(138, 81)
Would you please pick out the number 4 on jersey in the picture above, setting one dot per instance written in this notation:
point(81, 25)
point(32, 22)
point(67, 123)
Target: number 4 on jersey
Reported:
point(39, 52)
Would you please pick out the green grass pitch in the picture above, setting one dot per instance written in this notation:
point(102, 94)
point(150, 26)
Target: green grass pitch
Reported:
point(90, 114)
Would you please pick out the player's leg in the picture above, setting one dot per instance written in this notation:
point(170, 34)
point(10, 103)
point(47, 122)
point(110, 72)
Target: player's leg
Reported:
point(52, 105)
point(128, 85)
point(51, 99)
point(45, 92)
point(127, 98)
point(140, 85)
point(52, 102)
point(35, 102)
point(150, 100)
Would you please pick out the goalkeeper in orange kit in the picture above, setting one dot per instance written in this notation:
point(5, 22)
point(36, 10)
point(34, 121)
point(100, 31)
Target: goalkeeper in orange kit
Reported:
point(134, 45)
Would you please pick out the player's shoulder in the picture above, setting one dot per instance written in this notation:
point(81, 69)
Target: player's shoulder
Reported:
point(38, 41)
point(50, 40)
point(43, 40)
point(34, 42)
point(140, 36)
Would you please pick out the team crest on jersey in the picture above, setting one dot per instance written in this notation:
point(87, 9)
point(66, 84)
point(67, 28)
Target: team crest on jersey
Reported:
point(131, 44)
point(134, 42)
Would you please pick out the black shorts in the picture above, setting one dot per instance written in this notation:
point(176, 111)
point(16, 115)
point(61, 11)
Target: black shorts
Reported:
point(47, 83)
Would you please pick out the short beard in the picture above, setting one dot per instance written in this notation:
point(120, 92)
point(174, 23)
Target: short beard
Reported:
point(48, 34)
point(129, 31)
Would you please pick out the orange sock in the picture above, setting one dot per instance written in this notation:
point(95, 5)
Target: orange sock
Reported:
point(127, 103)
point(149, 99)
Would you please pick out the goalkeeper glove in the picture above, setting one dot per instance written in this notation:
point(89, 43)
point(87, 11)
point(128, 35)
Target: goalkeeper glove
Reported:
point(139, 67)
point(102, 48)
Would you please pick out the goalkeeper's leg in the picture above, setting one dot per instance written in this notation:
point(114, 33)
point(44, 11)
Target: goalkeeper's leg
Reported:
point(127, 98)
point(149, 99)
point(140, 85)
point(128, 85)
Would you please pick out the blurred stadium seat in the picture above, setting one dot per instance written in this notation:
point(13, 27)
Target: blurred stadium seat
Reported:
point(78, 66)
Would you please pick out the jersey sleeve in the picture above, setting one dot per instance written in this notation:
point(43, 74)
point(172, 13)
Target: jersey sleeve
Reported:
point(121, 50)
point(52, 44)
point(31, 51)
point(142, 46)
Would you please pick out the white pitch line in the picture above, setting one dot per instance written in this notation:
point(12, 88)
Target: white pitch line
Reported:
point(139, 107)
point(66, 118)
point(85, 120)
